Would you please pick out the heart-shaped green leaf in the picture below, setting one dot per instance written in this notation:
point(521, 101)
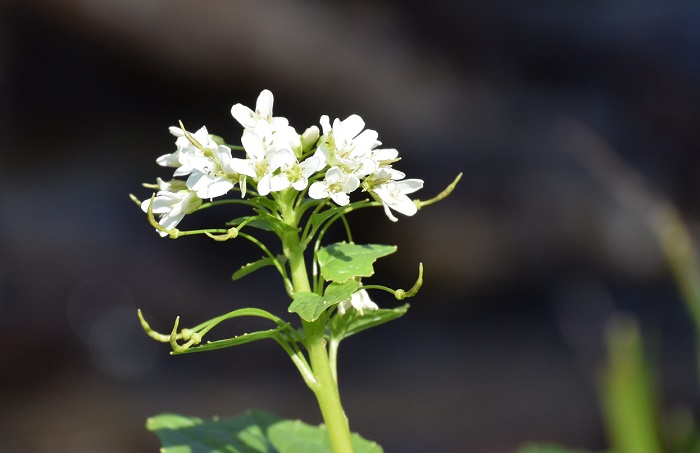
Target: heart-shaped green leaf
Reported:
point(342, 261)
point(310, 305)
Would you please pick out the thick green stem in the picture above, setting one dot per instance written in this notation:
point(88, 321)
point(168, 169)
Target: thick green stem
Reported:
point(326, 389)
point(325, 386)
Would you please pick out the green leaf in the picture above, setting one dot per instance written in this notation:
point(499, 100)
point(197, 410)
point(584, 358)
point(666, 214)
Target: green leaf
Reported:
point(246, 433)
point(339, 292)
point(277, 225)
point(255, 431)
point(254, 266)
point(229, 342)
point(320, 217)
point(342, 261)
point(310, 305)
point(294, 436)
point(258, 222)
point(267, 203)
point(353, 322)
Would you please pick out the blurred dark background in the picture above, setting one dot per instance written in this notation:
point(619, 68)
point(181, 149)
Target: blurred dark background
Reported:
point(524, 263)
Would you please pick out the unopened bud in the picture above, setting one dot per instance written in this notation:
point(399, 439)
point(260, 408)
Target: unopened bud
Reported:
point(309, 138)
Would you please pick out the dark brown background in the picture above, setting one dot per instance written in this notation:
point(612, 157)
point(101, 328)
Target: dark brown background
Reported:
point(524, 263)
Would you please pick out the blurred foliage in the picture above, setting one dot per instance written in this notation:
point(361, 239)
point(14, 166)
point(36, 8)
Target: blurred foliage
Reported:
point(633, 410)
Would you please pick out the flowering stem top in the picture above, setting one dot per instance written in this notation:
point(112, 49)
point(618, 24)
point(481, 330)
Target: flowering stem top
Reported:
point(296, 186)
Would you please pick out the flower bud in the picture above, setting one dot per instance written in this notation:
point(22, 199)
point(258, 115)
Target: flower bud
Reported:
point(309, 139)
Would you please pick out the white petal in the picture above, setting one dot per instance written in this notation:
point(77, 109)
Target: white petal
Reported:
point(300, 184)
point(360, 301)
point(334, 175)
point(184, 170)
point(388, 213)
point(163, 203)
point(395, 174)
point(312, 164)
point(352, 125)
point(340, 198)
point(279, 158)
point(409, 185)
point(243, 166)
point(385, 154)
point(365, 167)
point(264, 131)
point(366, 140)
point(264, 185)
point(223, 155)
point(168, 160)
point(279, 182)
point(339, 133)
point(191, 203)
point(325, 124)
point(405, 206)
point(202, 136)
point(253, 145)
point(318, 190)
point(351, 184)
point(145, 204)
point(277, 123)
point(170, 222)
point(173, 185)
point(201, 163)
point(176, 131)
point(327, 154)
point(207, 186)
point(263, 106)
point(244, 115)
point(291, 138)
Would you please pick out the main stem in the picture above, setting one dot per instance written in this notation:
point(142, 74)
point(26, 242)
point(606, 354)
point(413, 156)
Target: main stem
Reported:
point(325, 386)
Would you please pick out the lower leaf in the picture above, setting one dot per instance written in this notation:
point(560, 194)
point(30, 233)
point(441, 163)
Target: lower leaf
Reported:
point(254, 431)
point(353, 322)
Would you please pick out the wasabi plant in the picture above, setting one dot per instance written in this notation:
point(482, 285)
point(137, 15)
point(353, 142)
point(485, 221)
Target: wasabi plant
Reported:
point(292, 188)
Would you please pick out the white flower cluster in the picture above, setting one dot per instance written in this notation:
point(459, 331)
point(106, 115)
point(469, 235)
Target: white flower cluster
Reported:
point(332, 165)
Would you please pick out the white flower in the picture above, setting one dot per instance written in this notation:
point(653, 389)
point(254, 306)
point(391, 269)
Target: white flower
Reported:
point(360, 301)
point(383, 175)
point(392, 194)
point(263, 112)
point(212, 175)
point(345, 144)
point(264, 158)
point(172, 207)
point(297, 174)
point(336, 184)
point(186, 152)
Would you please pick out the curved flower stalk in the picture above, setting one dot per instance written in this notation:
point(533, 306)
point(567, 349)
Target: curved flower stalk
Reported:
point(294, 187)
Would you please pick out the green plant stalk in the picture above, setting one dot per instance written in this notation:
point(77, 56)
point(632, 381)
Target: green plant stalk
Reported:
point(629, 399)
point(325, 386)
point(681, 254)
